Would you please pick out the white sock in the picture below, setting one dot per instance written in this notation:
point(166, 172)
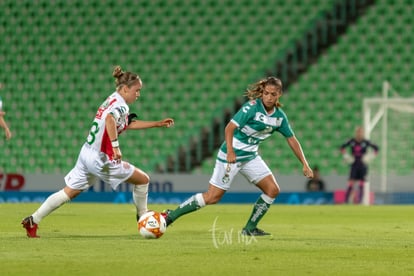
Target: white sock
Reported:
point(140, 196)
point(200, 200)
point(53, 202)
point(197, 198)
point(267, 199)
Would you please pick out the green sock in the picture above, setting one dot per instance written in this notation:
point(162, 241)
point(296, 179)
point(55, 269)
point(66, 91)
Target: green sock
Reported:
point(259, 210)
point(188, 206)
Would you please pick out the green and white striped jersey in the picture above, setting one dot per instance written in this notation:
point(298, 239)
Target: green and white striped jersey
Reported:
point(254, 126)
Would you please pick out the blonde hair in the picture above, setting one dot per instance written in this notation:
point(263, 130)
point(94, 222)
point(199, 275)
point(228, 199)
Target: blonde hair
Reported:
point(124, 78)
point(255, 90)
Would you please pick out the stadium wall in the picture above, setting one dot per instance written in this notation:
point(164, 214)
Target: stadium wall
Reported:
point(175, 188)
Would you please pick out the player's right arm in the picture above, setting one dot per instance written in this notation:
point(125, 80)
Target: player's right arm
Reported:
point(347, 157)
point(111, 129)
point(343, 147)
point(228, 136)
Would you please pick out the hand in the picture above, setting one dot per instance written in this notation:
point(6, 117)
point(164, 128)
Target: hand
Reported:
point(368, 157)
point(231, 157)
point(7, 133)
point(117, 156)
point(168, 122)
point(348, 158)
point(307, 171)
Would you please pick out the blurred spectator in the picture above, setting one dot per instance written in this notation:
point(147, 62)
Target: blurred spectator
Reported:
point(315, 184)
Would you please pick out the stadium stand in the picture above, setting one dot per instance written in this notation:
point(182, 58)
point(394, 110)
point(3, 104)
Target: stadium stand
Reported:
point(195, 58)
point(325, 104)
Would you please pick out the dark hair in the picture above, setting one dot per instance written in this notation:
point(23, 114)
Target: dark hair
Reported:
point(255, 90)
point(124, 78)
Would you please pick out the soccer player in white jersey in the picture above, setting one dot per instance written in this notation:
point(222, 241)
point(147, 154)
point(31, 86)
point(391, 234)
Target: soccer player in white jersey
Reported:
point(256, 121)
point(100, 156)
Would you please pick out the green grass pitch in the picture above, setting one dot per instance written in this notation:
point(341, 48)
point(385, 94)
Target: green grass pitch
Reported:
point(102, 239)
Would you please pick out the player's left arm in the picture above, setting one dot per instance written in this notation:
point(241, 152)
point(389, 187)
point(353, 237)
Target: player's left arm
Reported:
point(138, 124)
point(297, 150)
point(374, 147)
point(286, 130)
point(369, 156)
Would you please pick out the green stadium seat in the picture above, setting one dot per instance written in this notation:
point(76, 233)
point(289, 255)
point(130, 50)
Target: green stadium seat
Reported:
point(197, 52)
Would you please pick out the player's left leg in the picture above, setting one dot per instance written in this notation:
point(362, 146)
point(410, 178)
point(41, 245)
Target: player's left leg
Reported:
point(257, 172)
point(270, 190)
point(140, 180)
point(361, 191)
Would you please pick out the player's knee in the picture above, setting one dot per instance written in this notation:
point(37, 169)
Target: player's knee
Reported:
point(273, 191)
point(146, 178)
point(143, 177)
point(139, 177)
point(211, 198)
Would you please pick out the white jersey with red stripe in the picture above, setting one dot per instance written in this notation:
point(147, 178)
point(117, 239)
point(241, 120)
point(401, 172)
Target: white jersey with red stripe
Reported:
point(98, 137)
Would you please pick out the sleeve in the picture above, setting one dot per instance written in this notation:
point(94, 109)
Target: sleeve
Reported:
point(118, 111)
point(374, 146)
point(344, 145)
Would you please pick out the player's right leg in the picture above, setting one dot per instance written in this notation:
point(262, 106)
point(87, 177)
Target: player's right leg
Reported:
point(53, 202)
point(349, 190)
point(76, 180)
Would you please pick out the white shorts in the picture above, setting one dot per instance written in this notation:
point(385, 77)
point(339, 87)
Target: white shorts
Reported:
point(93, 165)
point(253, 170)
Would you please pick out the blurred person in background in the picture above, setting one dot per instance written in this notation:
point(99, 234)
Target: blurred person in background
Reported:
point(101, 157)
point(358, 157)
point(315, 184)
point(255, 122)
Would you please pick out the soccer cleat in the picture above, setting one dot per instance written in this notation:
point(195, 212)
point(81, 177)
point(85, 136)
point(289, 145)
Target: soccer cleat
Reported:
point(31, 227)
point(254, 232)
point(165, 214)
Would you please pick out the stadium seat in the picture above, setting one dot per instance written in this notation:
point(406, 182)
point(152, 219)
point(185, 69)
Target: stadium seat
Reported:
point(194, 58)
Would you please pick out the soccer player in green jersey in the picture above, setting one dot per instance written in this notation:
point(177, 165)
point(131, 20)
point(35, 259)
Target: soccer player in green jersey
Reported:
point(256, 121)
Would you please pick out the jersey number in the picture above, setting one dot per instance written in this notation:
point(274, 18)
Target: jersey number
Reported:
point(92, 133)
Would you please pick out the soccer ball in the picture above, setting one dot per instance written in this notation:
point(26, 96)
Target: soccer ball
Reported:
point(152, 225)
